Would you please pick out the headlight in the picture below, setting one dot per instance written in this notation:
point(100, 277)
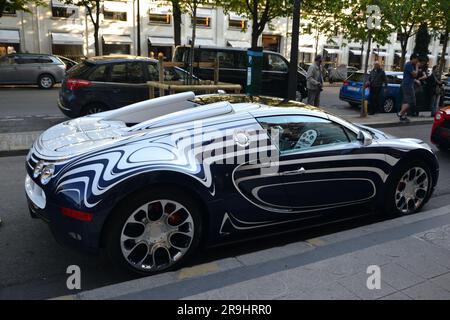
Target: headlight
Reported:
point(47, 173)
point(38, 169)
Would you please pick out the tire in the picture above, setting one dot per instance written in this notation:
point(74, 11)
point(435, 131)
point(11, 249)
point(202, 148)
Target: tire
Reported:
point(156, 233)
point(353, 105)
point(399, 193)
point(93, 108)
point(46, 81)
point(388, 105)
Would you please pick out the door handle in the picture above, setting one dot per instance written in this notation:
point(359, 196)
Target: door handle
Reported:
point(294, 172)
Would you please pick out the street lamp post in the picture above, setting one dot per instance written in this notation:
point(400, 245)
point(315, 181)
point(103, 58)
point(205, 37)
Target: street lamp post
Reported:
point(293, 64)
point(138, 25)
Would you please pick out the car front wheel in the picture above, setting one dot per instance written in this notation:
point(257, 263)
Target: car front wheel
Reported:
point(154, 231)
point(388, 105)
point(46, 81)
point(409, 188)
point(94, 108)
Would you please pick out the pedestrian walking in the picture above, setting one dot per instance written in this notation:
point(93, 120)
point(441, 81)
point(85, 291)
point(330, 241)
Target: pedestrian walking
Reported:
point(377, 78)
point(314, 81)
point(433, 89)
point(409, 95)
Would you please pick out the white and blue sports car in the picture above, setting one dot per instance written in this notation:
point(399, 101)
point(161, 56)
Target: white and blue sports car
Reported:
point(153, 181)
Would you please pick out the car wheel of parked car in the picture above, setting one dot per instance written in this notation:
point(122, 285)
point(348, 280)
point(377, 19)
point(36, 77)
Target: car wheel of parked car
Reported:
point(94, 108)
point(46, 81)
point(408, 189)
point(153, 231)
point(354, 105)
point(388, 105)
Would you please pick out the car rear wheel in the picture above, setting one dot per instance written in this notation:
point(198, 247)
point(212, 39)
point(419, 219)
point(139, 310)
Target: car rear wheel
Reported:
point(154, 231)
point(409, 188)
point(94, 108)
point(46, 81)
point(388, 105)
point(354, 105)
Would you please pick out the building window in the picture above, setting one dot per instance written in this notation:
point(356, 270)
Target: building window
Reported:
point(159, 18)
point(237, 24)
point(63, 12)
point(202, 22)
point(271, 42)
point(71, 51)
point(400, 36)
point(9, 9)
point(116, 16)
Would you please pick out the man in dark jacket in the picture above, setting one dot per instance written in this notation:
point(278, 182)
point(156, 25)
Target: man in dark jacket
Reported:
point(377, 79)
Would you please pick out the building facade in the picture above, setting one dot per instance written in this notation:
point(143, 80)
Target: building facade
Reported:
point(67, 30)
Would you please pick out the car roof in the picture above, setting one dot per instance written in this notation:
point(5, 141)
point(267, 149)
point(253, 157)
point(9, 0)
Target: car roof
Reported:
point(117, 58)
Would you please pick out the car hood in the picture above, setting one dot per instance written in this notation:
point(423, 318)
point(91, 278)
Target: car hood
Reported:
point(78, 136)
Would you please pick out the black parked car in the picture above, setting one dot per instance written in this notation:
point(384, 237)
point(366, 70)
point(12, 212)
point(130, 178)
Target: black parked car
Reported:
point(108, 82)
point(233, 68)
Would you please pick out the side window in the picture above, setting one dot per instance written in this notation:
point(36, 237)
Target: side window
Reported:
point(135, 72)
point(296, 133)
point(208, 55)
point(241, 60)
point(119, 73)
point(153, 73)
point(99, 74)
point(171, 75)
point(275, 63)
point(7, 60)
point(44, 60)
point(226, 59)
point(26, 60)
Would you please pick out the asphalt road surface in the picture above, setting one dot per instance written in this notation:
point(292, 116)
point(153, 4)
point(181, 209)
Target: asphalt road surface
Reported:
point(34, 266)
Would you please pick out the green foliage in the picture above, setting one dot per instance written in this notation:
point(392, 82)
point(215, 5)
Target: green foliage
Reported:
point(19, 5)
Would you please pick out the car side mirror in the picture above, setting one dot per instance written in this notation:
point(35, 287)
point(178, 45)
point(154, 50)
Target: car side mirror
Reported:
point(364, 138)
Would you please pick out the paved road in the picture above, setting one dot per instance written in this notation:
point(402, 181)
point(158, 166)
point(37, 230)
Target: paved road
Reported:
point(33, 265)
point(24, 109)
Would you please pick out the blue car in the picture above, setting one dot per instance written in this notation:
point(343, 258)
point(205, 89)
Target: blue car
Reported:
point(151, 182)
point(391, 97)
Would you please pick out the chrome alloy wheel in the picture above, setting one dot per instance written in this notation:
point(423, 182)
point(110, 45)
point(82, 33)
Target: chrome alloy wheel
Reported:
point(156, 235)
point(94, 110)
point(46, 82)
point(411, 190)
point(388, 105)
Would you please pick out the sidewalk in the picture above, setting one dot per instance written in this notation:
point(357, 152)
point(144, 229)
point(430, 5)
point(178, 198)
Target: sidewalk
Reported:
point(412, 252)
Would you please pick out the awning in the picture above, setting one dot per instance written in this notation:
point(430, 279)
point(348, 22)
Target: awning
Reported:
point(239, 44)
point(115, 6)
point(61, 4)
point(67, 38)
point(235, 16)
point(154, 41)
point(204, 13)
point(356, 52)
point(333, 51)
point(381, 53)
point(306, 49)
point(9, 36)
point(160, 10)
point(116, 39)
point(204, 42)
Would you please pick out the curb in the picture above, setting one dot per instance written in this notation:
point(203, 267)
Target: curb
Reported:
point(133, 288)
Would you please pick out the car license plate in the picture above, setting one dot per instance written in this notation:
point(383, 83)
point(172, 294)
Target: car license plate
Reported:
point(356, 89)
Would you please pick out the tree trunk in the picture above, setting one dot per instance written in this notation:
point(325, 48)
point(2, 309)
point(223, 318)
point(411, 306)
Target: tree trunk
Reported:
point(255, 26)
point(403, 45)
point(444, 50)
point(176, 22)
point(96, 42)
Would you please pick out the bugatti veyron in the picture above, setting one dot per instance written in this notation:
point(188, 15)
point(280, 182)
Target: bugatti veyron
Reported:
point(151, 182)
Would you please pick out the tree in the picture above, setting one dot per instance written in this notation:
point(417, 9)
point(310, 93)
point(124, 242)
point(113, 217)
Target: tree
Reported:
point(405, 16)
point(260, 12)
point(422, 42)
point(18, 5)
point(93, 9)
point(440, 23)
point(176, 21)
